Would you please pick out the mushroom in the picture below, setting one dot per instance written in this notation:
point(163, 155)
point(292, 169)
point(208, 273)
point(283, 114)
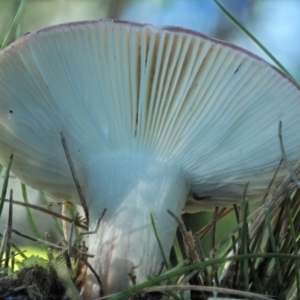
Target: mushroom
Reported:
point(151, 115)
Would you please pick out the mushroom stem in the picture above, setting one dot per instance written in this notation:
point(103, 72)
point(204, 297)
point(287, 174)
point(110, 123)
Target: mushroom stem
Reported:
point(130, 186)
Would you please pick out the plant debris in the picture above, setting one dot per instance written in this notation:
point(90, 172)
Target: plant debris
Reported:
point(34, 282)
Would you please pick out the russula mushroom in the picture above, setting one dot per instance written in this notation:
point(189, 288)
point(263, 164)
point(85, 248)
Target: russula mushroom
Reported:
point(150, 115)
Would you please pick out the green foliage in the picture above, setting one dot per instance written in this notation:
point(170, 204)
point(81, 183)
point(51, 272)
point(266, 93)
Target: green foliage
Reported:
point(253, 38)
point(33, 260)
point(8, 34)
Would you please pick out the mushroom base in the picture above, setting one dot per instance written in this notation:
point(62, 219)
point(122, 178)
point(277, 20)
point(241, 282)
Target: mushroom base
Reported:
point(130, 187)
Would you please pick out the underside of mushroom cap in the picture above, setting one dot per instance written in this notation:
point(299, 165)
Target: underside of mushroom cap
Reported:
point(111, 86)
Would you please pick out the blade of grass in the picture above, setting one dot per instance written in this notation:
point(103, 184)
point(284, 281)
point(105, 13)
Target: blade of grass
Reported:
point(244, 246)
point(73, 213)
point(272, 204)
point(294, 241)
point(167, 264)
point(204, 272)
point(255, 247)
point(253, 38)
point(58, 225)
point(178, 272)
point(12, 25)
point(30, 217)
point(177, 250)
point(274, 249)
point(64, 275)
point(210, 289)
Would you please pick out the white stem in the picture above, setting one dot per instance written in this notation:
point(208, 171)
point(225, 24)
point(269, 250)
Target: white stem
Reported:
point(130, 186)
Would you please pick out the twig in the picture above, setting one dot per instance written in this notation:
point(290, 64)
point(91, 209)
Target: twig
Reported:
point(202, 257)
point(47, 211)
point(184, 235)
point(271, 182)
point(5, 184)
point(7, 236)
point(76, 181)
point(203, 232)
point(214, 230)
point(50, 245)
point(96, 228)
point(73, 249)
point(95, 274)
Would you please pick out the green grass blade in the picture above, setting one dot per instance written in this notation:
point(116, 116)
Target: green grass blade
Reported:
point(177, 250)
point(73, 213)
point(58, 225)
point(178, 272)
point(244, 246)
point(12, 25)
point(166, 261)
point(253, 38)
point(294, 241)
point(274, 249)
point(30, 217)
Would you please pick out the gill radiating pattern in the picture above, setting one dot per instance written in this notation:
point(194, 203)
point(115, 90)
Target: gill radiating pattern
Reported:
point(206, 106)
point(116, 87)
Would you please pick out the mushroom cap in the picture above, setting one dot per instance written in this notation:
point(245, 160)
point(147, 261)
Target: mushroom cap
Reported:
point(204, 105)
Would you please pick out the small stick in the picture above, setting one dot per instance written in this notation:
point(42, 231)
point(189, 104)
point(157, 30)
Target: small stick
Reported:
point(214, 231)
point(82, 256)
point(70, 245)
point(7, 235)
point(53, 246)
point(50, 212)
point(95, 274)
point(15, 247)
point(271, 182)
point(160, 269)
point(243, 209)
point(92, 231)
point(9, 228)
point(184, 234)
point(76, 181)
point(50, 245)
point(212, 253)
point(201, 255)
point(13, 260)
